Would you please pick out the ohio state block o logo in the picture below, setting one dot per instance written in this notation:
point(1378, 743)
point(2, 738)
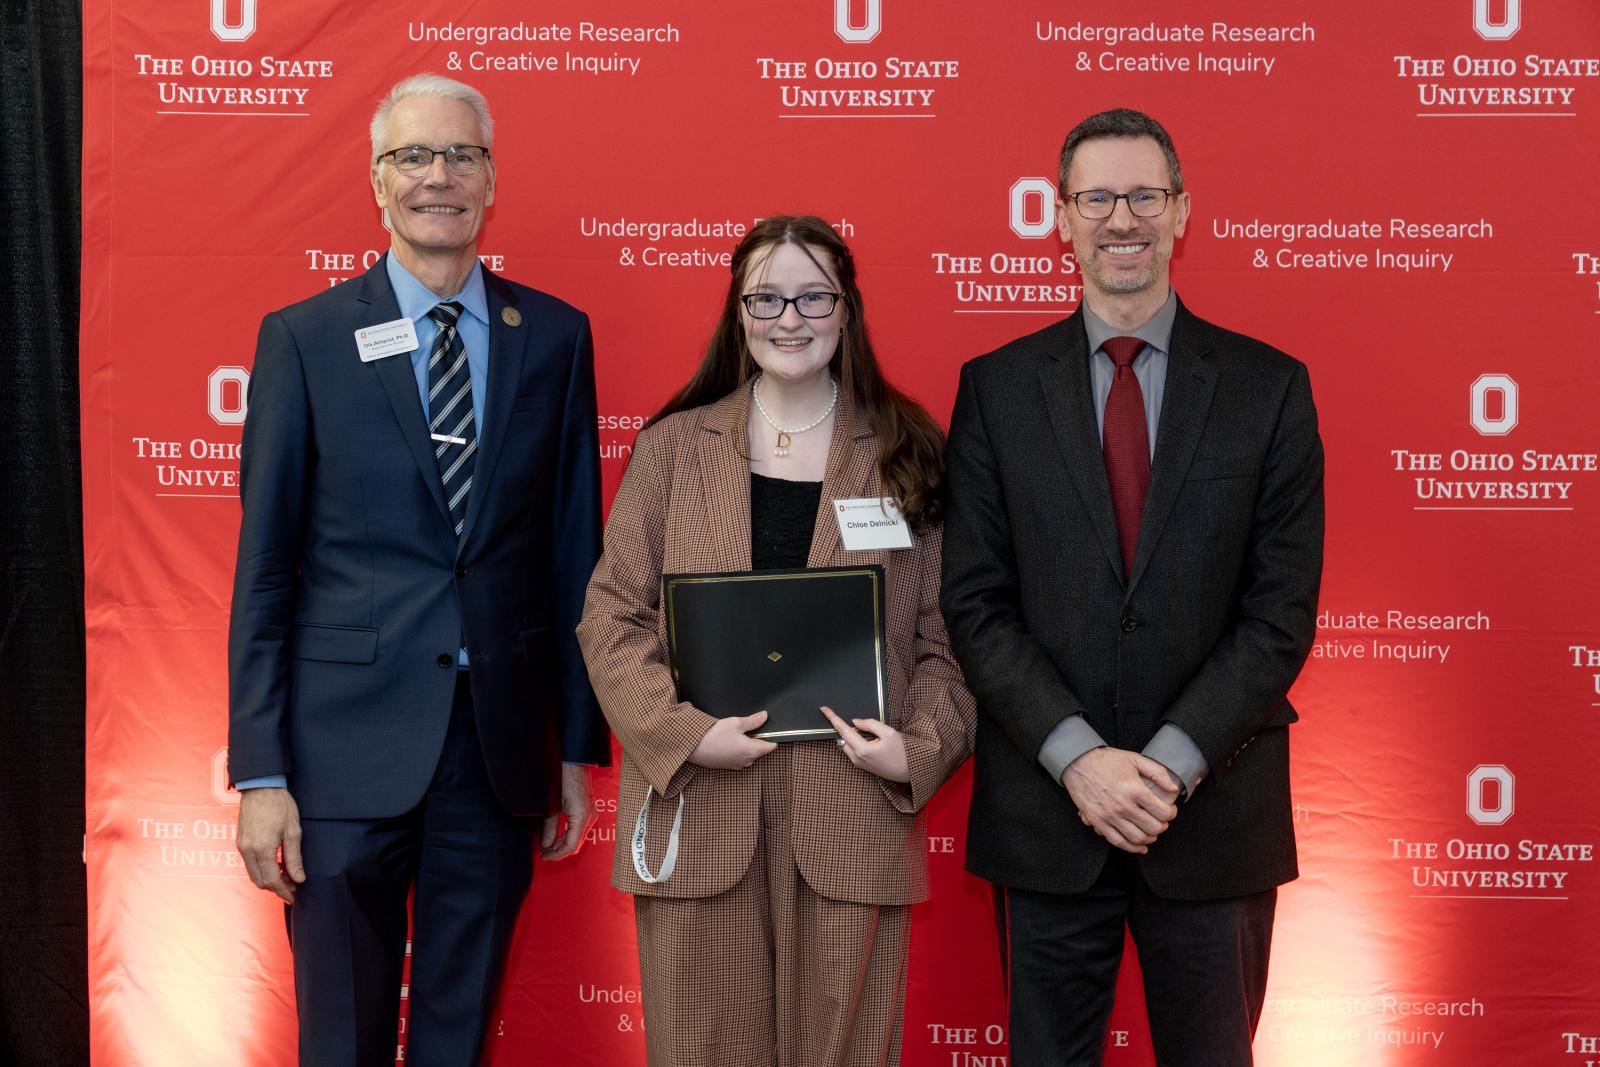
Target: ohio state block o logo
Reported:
point(226, 392)
point(858, 33)
point(1494, 385)
point(1506, 28)
point(233, 31)
point(219, 779)
point(1032, 207)
point(1478, 792)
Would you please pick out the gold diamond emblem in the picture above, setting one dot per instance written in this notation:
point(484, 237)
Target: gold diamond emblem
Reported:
point(774, 656)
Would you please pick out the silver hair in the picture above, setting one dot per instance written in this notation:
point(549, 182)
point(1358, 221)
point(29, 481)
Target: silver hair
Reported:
point(436, 85)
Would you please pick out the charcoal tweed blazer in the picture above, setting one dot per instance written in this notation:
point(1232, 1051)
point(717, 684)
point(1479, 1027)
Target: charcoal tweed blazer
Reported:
point(684, 505)
point(1208, 632)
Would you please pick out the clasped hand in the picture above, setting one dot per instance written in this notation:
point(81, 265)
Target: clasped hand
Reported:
point(1127, 798)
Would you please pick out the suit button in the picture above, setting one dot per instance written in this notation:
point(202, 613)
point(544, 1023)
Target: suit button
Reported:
point(1129, 624)
point(446, 660)
point(461, 572)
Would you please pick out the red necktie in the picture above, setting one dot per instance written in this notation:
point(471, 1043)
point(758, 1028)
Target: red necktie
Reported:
point(1125, 442)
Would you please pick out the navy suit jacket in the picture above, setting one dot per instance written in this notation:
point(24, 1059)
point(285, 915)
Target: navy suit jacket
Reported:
point(353, 596)
point(1207, 632)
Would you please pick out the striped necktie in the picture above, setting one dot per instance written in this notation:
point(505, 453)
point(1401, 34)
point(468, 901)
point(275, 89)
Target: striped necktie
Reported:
point(450, 423)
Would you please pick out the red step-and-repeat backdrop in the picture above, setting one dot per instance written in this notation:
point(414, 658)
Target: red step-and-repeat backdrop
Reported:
point(1402, 195)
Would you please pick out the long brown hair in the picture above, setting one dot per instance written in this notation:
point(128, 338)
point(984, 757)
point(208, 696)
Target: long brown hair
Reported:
point(911, 460)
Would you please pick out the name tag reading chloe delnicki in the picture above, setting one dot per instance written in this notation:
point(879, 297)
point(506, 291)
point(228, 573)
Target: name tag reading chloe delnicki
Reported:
point(869, 522)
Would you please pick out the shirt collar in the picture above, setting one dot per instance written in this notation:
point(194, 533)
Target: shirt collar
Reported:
point(1157, 333)
point(416, 299)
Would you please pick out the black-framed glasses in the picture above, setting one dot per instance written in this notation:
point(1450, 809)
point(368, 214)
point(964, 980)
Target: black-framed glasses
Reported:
point(813, 305)
point(1102, 203)
point(462, 159)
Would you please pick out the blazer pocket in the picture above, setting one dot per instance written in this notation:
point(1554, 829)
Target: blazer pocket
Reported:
point(539, 644)
point(1283, 716)
point(1211, 470)
point(533, 401)
point(334, 644)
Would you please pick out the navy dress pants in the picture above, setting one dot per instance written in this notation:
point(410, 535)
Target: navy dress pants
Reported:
point(469, 864)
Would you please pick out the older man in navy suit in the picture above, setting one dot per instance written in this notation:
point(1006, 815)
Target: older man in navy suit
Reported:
point(421, 514)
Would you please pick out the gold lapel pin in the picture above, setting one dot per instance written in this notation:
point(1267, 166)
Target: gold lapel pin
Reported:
point(511, 316)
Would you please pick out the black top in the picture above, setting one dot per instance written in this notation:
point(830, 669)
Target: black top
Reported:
point(782, 516)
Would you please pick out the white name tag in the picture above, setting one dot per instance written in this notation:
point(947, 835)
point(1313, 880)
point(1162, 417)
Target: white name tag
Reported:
point(385, 339)
point(869, 522)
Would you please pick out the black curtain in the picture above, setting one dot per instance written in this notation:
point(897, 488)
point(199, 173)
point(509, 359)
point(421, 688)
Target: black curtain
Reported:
point(44, 1016)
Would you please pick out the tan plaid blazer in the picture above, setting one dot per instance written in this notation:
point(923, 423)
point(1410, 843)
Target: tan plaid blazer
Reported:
point(684, 505)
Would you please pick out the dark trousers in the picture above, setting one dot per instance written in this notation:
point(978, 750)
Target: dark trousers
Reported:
point(1204, 964)
point(470, 865)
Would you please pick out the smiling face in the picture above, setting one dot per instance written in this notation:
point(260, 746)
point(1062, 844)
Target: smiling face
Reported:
point(792, 348)
point(437, 214)
point(1123, 254)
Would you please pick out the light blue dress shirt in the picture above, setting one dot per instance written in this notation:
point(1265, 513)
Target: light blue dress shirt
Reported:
point(416, 300)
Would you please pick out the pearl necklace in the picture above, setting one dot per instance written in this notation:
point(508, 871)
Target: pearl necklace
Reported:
point(784, 436)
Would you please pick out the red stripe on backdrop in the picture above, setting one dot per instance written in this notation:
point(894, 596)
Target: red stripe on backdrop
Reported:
point(1398, 195)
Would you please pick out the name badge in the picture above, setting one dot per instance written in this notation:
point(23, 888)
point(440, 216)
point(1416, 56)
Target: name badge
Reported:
point(871, 522)
point(385, 339)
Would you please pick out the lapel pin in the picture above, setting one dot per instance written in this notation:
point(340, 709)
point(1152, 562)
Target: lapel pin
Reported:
point(511, 316)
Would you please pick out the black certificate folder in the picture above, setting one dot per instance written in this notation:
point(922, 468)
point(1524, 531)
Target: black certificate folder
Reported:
point(783, 641)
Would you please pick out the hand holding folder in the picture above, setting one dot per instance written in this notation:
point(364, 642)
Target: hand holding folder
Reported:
point(729, 746)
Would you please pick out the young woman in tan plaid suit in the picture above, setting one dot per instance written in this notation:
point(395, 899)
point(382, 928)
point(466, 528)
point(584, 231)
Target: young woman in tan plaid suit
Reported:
point(779, 934)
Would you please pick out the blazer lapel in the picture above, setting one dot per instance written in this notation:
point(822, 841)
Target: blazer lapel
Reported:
point(851, 461)
point(1069, 398)
point(508, 345)
point(725, 479)
point(1190, 383)
point(376, 303)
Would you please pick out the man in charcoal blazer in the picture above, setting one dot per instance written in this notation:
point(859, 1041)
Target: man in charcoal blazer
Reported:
point(1132, 551)
point(420, 517)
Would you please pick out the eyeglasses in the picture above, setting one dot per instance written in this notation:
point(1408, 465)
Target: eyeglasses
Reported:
point(813, 305)
point(462, 159)
point(1102, 203)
